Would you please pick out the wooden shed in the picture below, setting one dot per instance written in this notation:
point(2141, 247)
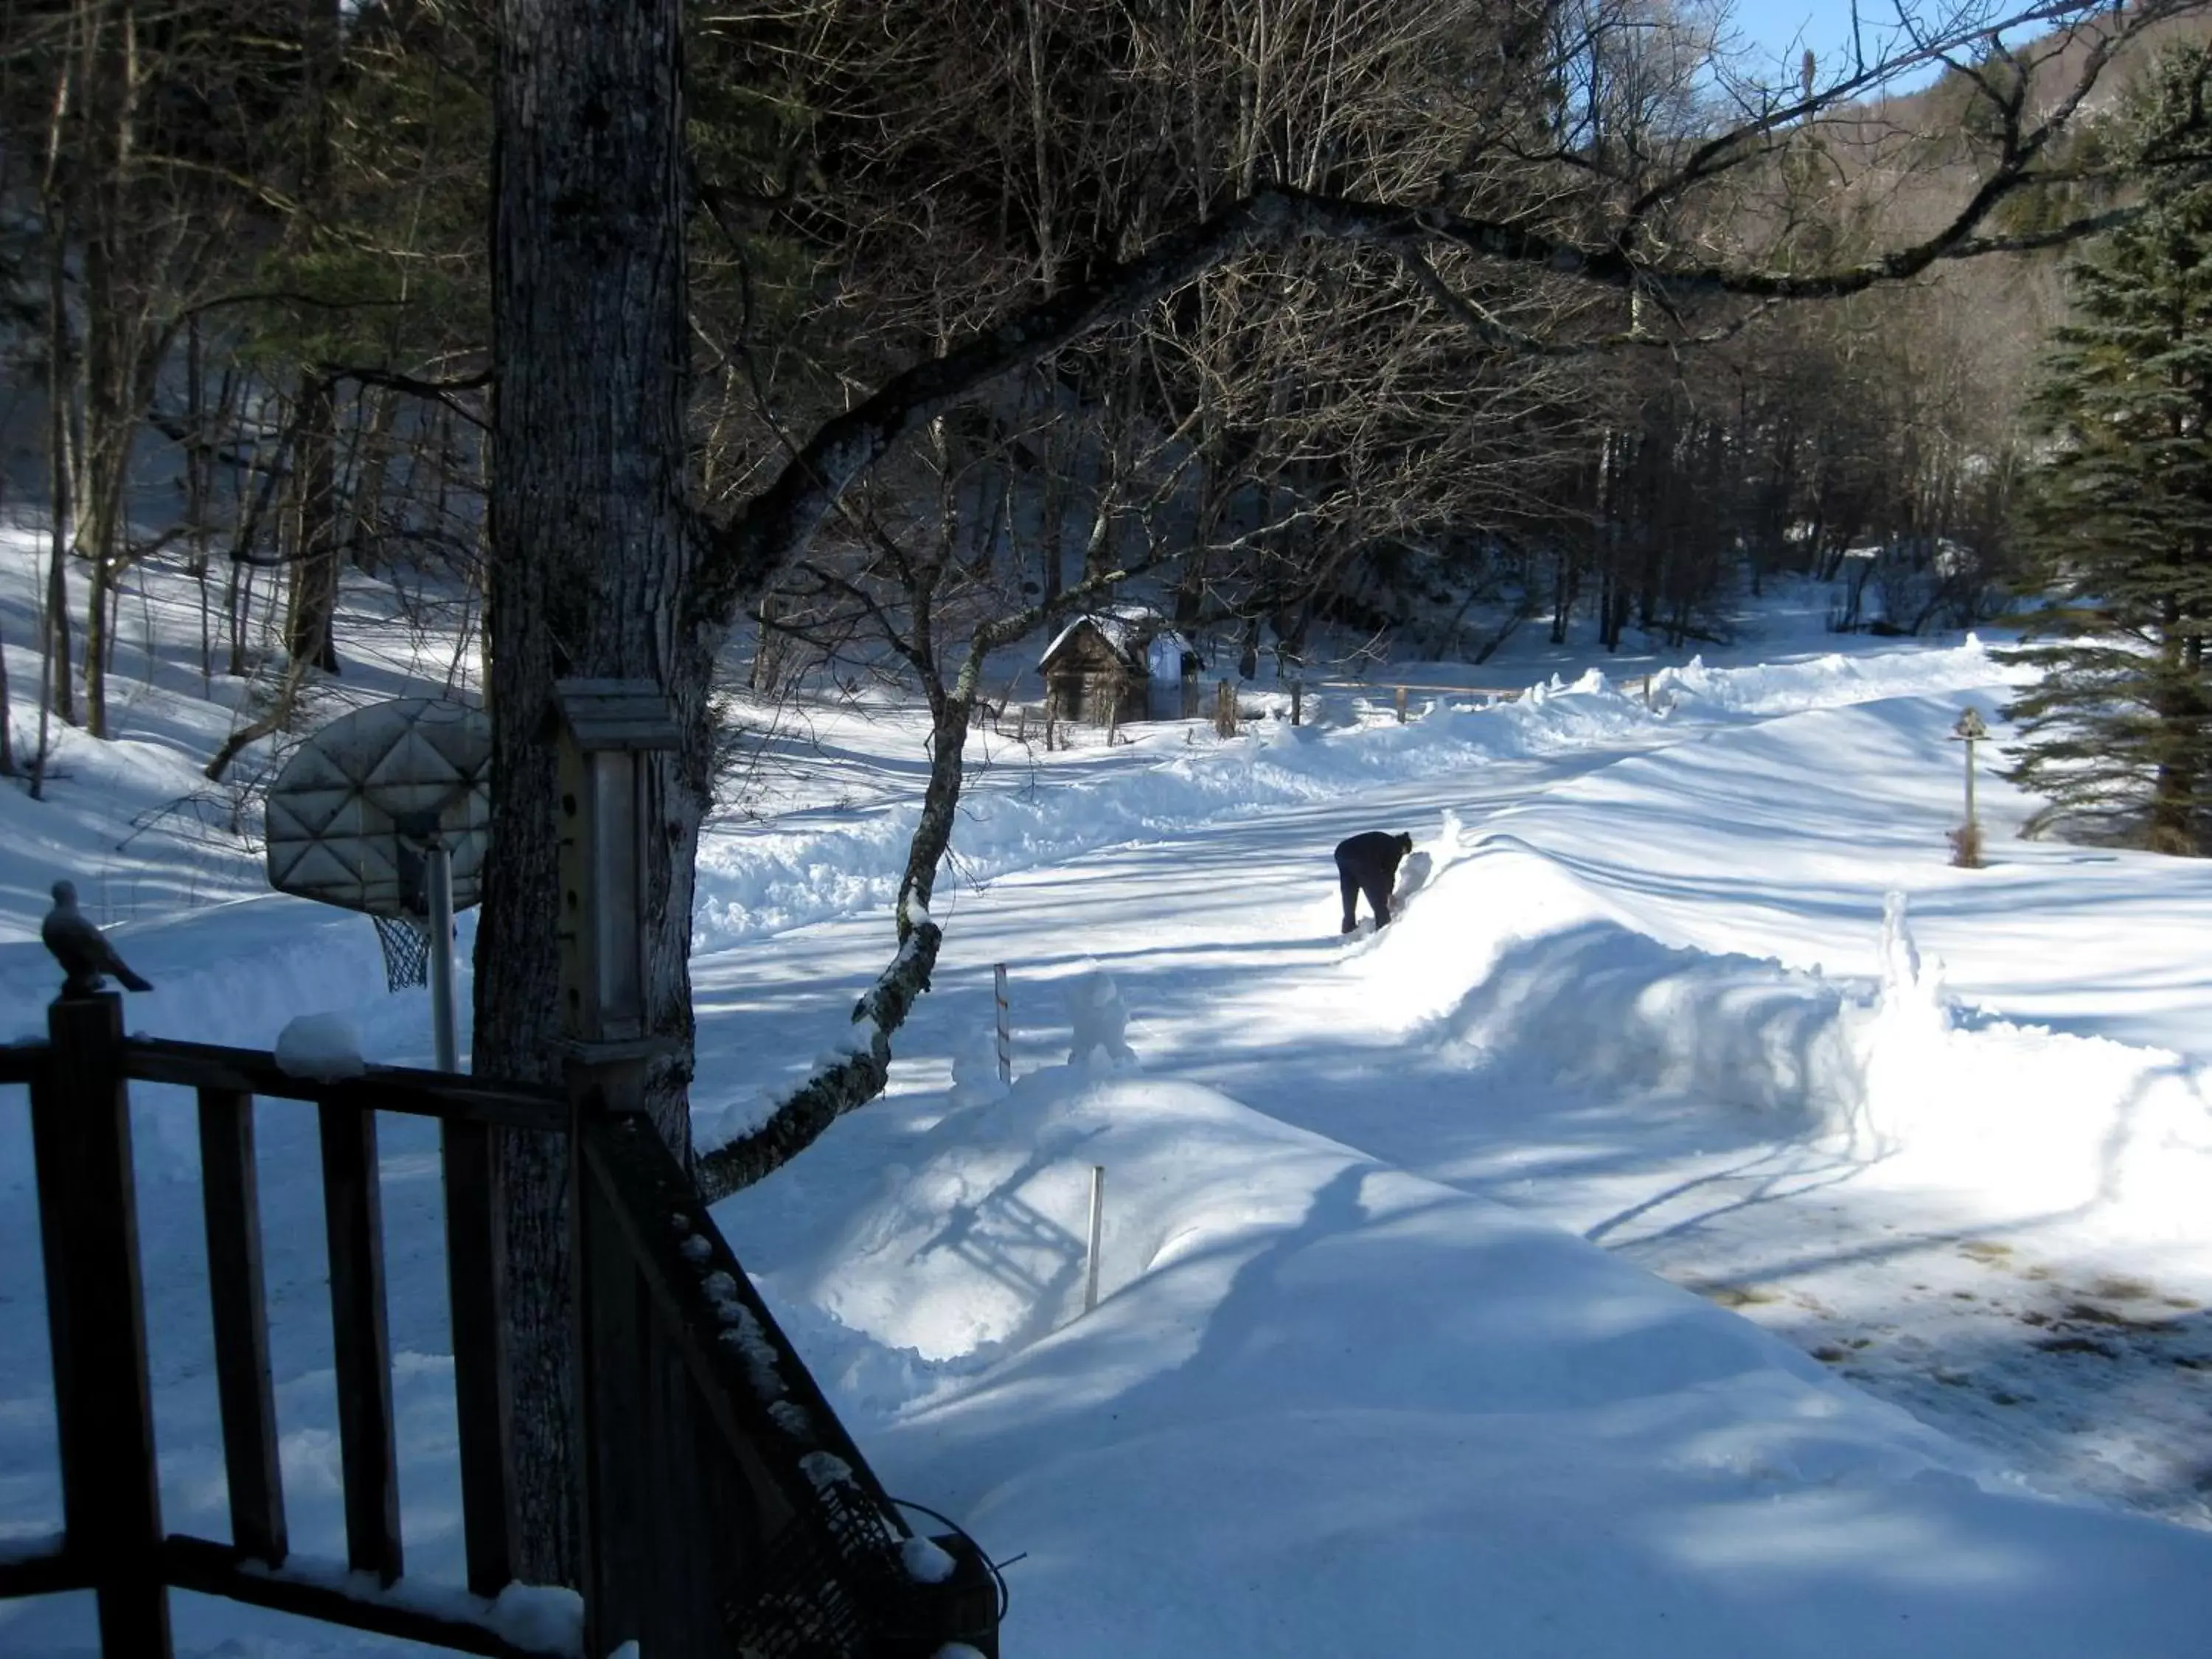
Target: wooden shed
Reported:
point(1119, 664)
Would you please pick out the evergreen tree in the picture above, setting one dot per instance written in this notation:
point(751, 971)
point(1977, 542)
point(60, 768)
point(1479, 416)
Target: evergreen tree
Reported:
point(2116, 520)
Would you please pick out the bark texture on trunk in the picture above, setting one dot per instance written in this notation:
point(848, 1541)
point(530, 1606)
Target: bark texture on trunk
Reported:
point(589, 566)
point(308, 635)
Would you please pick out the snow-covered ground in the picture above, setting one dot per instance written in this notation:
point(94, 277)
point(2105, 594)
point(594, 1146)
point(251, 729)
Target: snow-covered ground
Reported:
point(1703, 1223)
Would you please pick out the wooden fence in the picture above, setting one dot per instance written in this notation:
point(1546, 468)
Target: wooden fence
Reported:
point(725, 1511)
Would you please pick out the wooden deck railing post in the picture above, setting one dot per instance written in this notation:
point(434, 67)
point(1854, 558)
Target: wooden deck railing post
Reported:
point(229, 1196)
point(353, 1217)
point(618, 1416)
point(96, 1316)
point(476, 1298)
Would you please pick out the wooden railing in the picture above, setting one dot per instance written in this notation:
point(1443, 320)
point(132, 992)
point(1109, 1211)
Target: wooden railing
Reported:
point(725, 1511)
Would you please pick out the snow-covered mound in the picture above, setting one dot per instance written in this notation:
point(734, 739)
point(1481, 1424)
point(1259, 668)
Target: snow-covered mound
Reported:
point(1325, 1405)
point(1894, 1070)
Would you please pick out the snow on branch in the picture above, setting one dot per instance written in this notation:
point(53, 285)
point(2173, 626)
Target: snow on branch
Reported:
point(848, 1082)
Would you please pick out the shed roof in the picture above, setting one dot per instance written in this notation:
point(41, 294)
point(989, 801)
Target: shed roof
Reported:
point(1128, 629)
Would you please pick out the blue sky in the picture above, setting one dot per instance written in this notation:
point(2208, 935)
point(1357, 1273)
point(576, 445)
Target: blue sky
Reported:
point(1773, 29)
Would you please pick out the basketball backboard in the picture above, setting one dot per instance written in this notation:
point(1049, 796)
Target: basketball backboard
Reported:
point(350, 816)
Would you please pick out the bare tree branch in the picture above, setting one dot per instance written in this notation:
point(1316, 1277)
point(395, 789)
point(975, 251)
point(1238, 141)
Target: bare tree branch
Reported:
point(777, 523)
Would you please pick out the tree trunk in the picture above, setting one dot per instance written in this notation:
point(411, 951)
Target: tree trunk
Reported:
point(57, 692)
point(237, 610)
point(2172, 827)
point(315, 569)
point(2179, 704)
point(277, 716)
point(199, 466)
point(589, 571)
point(110, 418)
point(96, 647)
point(1052, 567)
point(940, 801)
point(364, 525)
point(1562, 593)
point(307, 634)
point(767, 648)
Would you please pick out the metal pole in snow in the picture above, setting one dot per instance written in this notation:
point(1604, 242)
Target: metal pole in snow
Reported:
point(438, 875)
point(1006, 1031)
point(1090, 1251)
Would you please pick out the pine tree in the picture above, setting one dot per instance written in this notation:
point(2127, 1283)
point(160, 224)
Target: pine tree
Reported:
point(2117, 518)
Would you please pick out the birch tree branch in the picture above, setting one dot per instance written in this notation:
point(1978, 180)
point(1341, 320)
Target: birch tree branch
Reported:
point(798, 1120)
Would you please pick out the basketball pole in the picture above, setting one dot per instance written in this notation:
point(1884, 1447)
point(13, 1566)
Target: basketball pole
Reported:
point(438, 875)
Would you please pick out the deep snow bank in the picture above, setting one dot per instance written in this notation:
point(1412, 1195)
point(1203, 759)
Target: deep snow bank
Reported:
point(1831, 680)
point(1328, 1407)
point(1509, 964)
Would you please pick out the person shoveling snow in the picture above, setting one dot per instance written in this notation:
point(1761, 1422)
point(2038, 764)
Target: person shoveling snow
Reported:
point(1369, 864)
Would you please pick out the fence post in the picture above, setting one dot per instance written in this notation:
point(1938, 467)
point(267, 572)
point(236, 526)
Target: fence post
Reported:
point(1966, 840)
point(1297, 701)
point(1224, 708)
point(1006, 1034)
point(438, 870)
point(1097, 1228)
point(96, 1318)
point(1400, 701)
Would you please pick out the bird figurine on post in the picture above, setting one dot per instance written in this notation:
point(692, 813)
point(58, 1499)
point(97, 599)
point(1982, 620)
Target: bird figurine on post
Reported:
point(81, 949)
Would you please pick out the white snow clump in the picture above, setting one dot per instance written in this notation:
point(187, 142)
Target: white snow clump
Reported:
point(321, 1047)
point(1095, 1009)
